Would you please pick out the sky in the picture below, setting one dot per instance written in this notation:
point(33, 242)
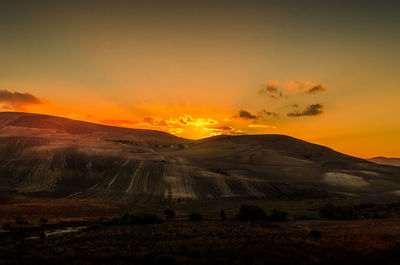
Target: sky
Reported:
point(322, 71)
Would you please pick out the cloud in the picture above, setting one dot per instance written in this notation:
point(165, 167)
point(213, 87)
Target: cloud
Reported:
point(272, 91)
point(223, 130)
point(118, 122)
point(261, 126)
point(244, 114)
point(262, 115)
point(269, 113)
point(153, 122)
point(296, 84)
point(275, 90)
point(312, 110)
point(315, 89)
point(174, 126)
point(17, 100)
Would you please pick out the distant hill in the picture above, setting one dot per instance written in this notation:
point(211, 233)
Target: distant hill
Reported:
point(47, 156)
point(39, 125)
point(385, 161)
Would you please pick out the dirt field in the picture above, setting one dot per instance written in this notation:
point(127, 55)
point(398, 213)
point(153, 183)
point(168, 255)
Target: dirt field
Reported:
point(206, 242)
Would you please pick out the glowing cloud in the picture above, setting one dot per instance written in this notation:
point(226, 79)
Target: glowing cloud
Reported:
point(17, 100)
point(312, 110)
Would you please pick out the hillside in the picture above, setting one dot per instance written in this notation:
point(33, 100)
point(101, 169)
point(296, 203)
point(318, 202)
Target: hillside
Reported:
point(46, 156)
point(386, 161)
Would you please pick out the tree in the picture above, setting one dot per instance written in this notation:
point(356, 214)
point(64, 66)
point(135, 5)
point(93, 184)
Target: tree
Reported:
point(251, 213)
point(169, 213)
point(329, 211)
point(195, 217)
point(223, 215)
point(277, 215)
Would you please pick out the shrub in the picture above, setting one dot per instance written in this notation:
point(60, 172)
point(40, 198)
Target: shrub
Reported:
point(329, 211)
point(251, 213)
point(305, 217)
point(195, 217)
point(94, 227)
point(256, 213)
point(169, 213)
point(7, 226)
point(277, 215)
point(315, 234)
point(114, 221)
point(20, 220)
point(223, 215)
point(142, 217)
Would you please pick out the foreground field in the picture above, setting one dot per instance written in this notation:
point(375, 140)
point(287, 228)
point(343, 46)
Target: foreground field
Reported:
point(206, 242)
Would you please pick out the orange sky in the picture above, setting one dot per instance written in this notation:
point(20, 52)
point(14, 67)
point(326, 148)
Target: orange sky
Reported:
point(323, 72)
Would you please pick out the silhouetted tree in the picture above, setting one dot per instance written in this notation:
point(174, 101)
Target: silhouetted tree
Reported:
point(328, 211)
point(277, 215)
point(195, 217)
point(315, 234)
point(251, 213)
point(223, 215)
point(169, 213)
point(140, 218)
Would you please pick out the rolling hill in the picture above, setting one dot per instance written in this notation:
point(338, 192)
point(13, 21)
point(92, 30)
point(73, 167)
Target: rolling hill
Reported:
point(45, 156)
point(386, 161)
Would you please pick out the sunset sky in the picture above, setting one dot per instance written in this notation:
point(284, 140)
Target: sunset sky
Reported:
point(323, 71)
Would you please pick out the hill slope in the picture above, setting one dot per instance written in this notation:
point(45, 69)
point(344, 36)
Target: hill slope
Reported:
point(386, 161)
point(56, 157)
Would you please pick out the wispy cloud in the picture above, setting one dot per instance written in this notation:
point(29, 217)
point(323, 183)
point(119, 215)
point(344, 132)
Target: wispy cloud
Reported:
point(223, 130)
point(275, 90)
point(172, 125)
point(244, 114)
point(261, 126)
point(311, 110)
point(269, 114)
point(123, 123)
point(315, 89)
point(17, 100)
point(262, 115)
point(271, 89)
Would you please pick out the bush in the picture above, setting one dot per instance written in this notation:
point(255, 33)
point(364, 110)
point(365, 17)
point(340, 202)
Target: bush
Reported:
point(195, 217)
point(329, 211)
point(21, 220)
point(114, 221)
point(315, 234)
point(277, 215)
point(223, 215)
point(169, 213)
point(305, 217)
point(94, 227)
point(251, 213)
point(140, 218)
point(256, 213)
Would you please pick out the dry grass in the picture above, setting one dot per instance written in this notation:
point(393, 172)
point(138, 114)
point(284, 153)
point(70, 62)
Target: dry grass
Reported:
point(211, 242)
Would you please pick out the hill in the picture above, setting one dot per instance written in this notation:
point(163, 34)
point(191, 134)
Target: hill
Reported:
point(386, 161)
point(46, 156)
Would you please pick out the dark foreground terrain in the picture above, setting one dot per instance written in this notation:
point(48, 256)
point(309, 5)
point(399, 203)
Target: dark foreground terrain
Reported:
point(205, 242)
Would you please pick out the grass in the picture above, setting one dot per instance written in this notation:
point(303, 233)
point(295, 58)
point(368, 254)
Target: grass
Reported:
point(210, 242)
